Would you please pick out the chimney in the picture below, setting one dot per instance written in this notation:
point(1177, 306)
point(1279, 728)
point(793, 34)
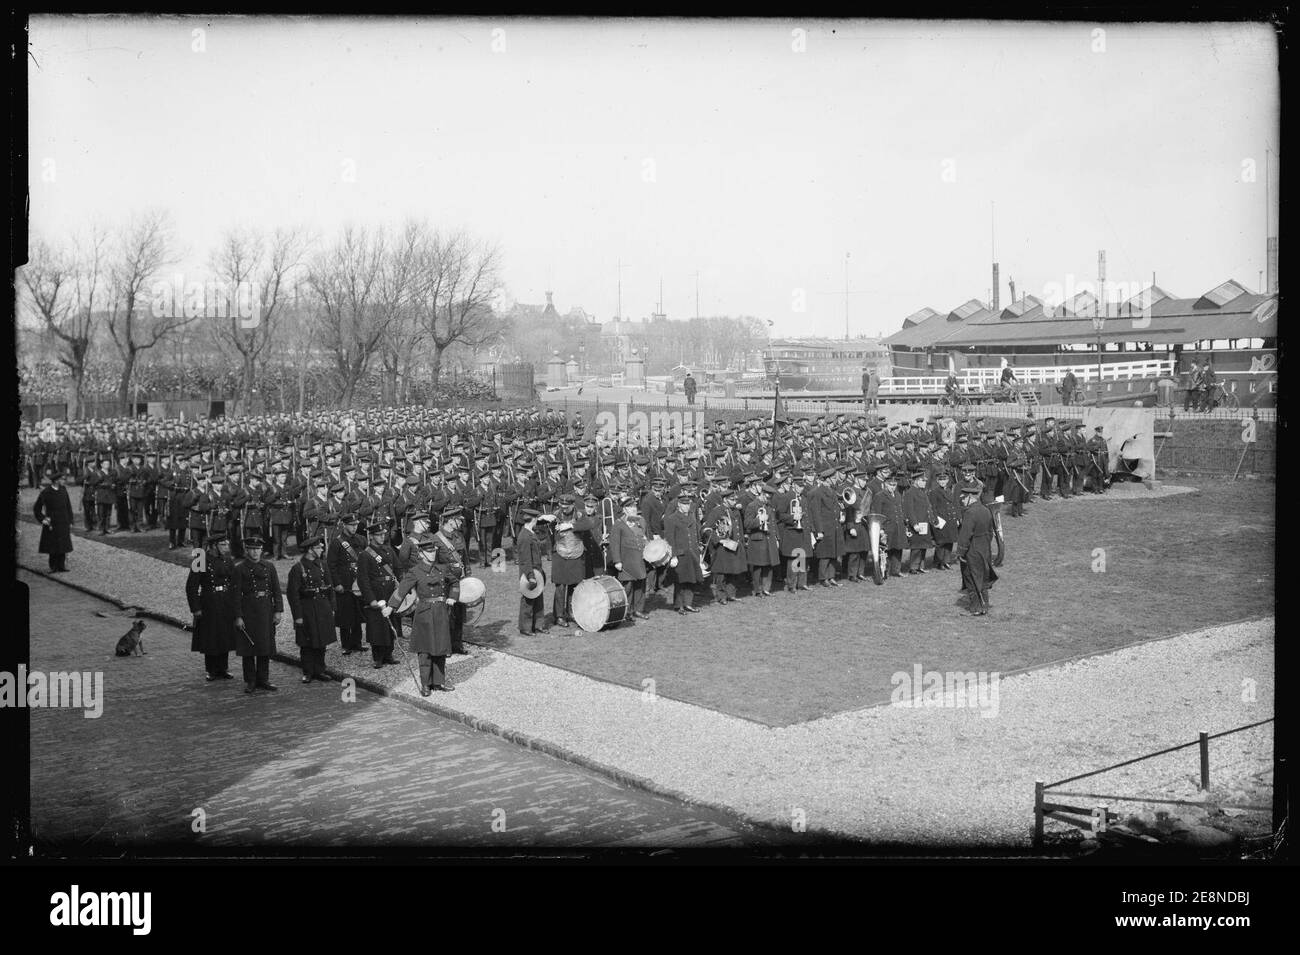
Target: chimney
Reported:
point(1012, 282)
point(1270, 275)
point(995, 287)
point(548, 300)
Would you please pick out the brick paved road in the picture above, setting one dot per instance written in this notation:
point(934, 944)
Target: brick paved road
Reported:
point(300, 767)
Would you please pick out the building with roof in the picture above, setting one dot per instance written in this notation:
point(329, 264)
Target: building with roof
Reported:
point(1235, 326)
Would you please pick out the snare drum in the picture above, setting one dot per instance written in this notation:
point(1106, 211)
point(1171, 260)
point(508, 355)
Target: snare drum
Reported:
point(657, 553)
point(599, 602)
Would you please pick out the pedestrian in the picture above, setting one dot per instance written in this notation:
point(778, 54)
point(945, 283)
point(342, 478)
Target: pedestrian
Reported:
point(1192, 393)
point(688, 386)
point(53, 510)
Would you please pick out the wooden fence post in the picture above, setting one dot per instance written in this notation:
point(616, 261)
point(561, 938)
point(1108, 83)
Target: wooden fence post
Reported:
point(1038, 814)
point(1205, 761)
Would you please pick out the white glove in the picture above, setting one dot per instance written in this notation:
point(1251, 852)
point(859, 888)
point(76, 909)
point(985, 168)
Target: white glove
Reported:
point(451, 601)
point(618, 567)
point(566, 526)
point(673, 562)
point(387, 611)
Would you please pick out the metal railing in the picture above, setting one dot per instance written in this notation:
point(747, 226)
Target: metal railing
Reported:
point(1098, 817)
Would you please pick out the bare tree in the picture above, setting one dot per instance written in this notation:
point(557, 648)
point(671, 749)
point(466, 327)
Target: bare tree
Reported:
point(403, 334)
point(135, 320)
point(344, 280)
point(453, 300)
point(255, 271)
point(63, 289)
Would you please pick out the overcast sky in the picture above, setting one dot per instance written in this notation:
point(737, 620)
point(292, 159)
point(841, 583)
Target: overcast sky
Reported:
point(682, 147)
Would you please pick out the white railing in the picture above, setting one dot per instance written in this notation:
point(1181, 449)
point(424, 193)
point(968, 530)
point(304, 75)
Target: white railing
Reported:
point(984, 378)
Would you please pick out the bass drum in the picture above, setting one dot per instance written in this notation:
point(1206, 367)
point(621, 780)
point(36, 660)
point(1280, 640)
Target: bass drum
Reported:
point(599, 602)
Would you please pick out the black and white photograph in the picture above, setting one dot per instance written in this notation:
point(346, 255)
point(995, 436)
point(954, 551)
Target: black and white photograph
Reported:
point(743, 437)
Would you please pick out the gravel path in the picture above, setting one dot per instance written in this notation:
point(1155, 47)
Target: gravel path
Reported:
point(889, 775)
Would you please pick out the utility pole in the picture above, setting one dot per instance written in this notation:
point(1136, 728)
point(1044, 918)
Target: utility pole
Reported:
point(846, 295)
point(697, 294)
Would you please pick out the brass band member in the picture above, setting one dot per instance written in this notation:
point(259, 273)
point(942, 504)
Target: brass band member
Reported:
point(682, 532)
point(762, 547)
point(627, 544)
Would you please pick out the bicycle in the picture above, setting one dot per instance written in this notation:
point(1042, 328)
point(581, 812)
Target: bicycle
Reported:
point(954, 401)
point(1218, 396)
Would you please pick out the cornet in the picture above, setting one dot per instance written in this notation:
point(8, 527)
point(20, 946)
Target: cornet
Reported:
point(796, 512)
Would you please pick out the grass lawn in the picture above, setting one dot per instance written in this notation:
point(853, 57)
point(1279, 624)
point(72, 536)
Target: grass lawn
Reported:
point(1171, 564)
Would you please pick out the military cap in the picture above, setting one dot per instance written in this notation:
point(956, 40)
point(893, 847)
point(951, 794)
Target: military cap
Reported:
point(216, 538)
point(453, 510)
point(426, 543)
point(379, 527)
point(971, 488)
point(253, 540)
point(529, 512)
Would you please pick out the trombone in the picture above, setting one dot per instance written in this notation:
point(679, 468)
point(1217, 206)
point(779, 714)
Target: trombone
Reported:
point(606, 522)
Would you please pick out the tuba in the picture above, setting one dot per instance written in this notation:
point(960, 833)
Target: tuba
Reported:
point(849, 498)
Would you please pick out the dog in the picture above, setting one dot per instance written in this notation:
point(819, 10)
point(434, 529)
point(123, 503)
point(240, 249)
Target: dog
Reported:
point(132, 642)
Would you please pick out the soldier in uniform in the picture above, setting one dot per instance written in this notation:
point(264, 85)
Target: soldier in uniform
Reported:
point(436, 594)
point(260, 605)
point(827, 515)
point(214, 602)
point(918, 518)
point(889, 504)
point(652, 511)
point(857, 542)
point(974, 549)
point(378, 577)
point(682, 532)
point(282, 507)
point(1099, 460)
point(946, 508)
point(105, 498)
point(89, 482)
point(311, 601)
point(342, 560)
point(530, 556)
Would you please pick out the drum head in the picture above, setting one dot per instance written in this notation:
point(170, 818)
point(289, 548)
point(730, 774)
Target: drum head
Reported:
point(472, 591)
point(656, 552)
point(599, 602)
point(408, 603)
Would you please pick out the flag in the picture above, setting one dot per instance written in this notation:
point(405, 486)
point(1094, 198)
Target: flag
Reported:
point(779, 417)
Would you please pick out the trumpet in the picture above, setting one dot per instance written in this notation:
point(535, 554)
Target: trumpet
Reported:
point(796, 512)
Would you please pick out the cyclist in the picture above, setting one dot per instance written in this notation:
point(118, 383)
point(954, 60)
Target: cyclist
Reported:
point(1208, 381)
point(952, 388)
point(1009, 381)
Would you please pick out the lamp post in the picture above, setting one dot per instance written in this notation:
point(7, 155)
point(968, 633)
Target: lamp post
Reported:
point(582, 359)
point(1099, 322)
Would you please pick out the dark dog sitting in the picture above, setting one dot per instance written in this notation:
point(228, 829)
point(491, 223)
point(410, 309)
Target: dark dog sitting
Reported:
point(132, 641)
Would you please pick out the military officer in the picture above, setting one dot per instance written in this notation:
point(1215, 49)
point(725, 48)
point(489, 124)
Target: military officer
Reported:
point(260, 605)
point(311, 601)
